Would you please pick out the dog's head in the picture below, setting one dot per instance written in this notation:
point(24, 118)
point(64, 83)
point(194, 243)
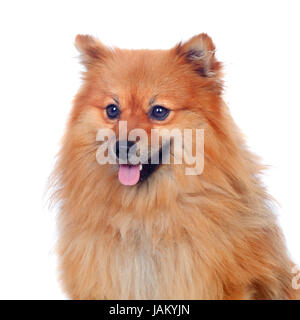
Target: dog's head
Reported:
point(140, 100)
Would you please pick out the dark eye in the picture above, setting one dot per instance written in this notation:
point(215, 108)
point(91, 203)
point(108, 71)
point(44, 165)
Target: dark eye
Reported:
point(113, 111)
point(159, 113)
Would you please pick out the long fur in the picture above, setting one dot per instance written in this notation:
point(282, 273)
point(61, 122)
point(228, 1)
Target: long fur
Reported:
point(174, 236)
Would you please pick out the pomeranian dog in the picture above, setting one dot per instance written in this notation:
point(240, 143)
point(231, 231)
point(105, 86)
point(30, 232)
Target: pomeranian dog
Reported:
point(150, 230)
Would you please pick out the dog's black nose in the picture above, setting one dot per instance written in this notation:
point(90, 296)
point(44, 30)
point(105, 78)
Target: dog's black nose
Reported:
point(123, 148)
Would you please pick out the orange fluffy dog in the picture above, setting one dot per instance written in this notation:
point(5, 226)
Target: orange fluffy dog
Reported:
point(150, 231)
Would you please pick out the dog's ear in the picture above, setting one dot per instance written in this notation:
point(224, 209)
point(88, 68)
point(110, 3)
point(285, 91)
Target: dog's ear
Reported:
point(91, 49)
point(200, 52)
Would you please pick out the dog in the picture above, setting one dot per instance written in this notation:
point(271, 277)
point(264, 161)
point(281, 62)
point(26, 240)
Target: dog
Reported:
point(149, 230)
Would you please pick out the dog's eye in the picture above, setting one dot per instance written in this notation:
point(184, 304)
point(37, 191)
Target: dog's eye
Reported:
point(159, 113)
point(113, 111)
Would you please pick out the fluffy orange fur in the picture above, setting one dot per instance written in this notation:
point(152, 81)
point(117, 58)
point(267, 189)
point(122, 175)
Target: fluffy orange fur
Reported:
point(174, 236)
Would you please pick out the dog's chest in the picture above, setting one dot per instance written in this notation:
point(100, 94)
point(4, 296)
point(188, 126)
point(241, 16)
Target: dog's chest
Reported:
point(140, 269)
point(137, 267)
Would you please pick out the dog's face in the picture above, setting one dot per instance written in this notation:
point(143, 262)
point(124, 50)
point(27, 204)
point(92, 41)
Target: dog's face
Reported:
point(145, 91)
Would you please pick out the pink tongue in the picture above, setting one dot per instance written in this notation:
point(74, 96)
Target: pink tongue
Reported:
point(129, 175)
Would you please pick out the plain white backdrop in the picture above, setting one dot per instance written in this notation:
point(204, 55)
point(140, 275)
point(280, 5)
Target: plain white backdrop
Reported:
point(258, 41)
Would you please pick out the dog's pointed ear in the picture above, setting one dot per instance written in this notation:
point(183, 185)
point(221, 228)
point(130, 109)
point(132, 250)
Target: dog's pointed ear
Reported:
point(200, 52)
point(91, 49)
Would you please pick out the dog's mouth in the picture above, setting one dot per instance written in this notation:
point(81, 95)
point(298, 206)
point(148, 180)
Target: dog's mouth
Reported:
point(130, 175)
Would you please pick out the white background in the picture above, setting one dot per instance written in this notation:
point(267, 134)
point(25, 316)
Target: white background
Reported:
point(258, 41)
